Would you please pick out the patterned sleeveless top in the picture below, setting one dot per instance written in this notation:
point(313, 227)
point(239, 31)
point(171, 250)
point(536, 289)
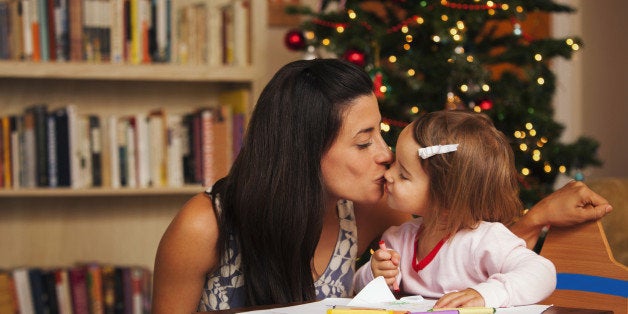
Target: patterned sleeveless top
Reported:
point(224, 288)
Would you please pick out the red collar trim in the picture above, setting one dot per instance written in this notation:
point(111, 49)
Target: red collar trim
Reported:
point(419, 265)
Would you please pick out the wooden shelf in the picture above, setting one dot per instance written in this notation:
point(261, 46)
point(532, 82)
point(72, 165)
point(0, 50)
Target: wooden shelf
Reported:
point(89, 192)
point(125, 72)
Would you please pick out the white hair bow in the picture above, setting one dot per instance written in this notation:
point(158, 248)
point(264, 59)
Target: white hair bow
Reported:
point(427, 152)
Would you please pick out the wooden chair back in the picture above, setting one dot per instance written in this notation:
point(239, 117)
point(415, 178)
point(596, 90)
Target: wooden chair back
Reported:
point(588, 275)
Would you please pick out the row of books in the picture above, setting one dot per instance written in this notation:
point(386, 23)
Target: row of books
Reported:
point(61, 147)
point(213, 32)
point(85, 288)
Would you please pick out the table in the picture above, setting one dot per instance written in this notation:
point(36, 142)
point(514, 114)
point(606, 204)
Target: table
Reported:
point(550, 310)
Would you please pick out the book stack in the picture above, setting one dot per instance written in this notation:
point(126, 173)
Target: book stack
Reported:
point(82, 288)
point(212, 32)
point(61, 147)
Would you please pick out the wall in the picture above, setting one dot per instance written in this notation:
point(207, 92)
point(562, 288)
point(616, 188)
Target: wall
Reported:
point(592, 96)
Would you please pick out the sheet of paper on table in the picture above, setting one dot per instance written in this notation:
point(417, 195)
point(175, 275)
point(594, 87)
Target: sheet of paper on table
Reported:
point(377, 295)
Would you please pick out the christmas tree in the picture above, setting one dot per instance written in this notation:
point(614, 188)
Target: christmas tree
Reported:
point(433, 55)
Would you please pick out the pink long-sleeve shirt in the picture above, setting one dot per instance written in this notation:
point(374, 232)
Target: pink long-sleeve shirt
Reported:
point(489, 259)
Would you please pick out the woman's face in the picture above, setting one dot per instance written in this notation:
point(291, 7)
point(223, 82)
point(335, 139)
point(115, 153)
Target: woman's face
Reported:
point(354, 166)
point(407, 184)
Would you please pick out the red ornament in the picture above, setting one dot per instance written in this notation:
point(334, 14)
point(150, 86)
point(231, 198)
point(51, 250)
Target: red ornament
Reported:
point(294, 40)
point(378, 83)
point(486, 104)
point(355, 56)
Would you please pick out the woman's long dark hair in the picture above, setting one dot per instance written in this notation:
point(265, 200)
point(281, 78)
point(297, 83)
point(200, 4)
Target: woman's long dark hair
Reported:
point(273, 197)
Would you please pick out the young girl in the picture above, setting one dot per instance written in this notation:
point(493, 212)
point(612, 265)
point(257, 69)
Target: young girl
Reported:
point(456, 171)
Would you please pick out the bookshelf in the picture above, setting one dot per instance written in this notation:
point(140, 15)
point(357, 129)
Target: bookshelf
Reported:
point(52, 227)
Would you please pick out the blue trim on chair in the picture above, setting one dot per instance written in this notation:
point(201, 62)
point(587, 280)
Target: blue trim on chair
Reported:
point(588, 283)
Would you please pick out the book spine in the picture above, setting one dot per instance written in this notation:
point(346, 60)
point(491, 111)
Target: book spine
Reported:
point(41, 146)
point(6, 152)
point(61, 31)
point(53, 175)
point(207, 146)
point(42, 17)
point(63, 147)
point(75, 21)
point(95, 142)
point(62, 288)
point(16, 150)
point(23, 290)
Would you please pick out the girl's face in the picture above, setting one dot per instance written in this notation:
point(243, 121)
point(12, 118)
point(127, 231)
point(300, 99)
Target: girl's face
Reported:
point(407, 184)
point(353, 168)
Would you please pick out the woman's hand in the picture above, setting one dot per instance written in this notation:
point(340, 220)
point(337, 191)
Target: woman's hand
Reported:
point(465, 298)
point(572, 204)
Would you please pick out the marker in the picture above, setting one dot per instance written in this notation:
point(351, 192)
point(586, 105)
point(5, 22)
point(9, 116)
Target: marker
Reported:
point(468, 310)
point(363, 311)
point(382, 245)
point(439, 312)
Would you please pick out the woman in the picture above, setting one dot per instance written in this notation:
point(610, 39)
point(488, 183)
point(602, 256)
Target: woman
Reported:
point(279, 228)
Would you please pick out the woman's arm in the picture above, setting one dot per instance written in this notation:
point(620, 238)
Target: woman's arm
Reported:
point(572, 204)
point(186, 253)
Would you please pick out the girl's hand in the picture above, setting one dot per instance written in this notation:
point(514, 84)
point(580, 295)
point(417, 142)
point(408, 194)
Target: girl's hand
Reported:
point(465, 298)
point(385, 263)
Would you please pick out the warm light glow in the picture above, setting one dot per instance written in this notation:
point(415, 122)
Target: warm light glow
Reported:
point(384, 127)
point(406, 47)
point(569, 41)
point(536, 157)
point(517, 134)
point(477, 109)
point(490, 3)
point(532, 132)
point(309, 35)
point(436, 38)
point(392, 59)
point(544, 139)
point(457, 37)
point(575, 47)
point(409, 38)
point(491, 12)
point(539, 143)
point(414, 109)
point(562, 169)
point(340, 29)
point(464, 88)
point(470, 58)
point(459, 50)
point(538, 57)
point(383, 89)
point(547, 168)
point(460, 25)
point(420, 20)
point(540, 81)
point(444, 17)
point(453, 31)
point(411, 72)
point(326, 42)
point(529, 126)
point(404, 29)
point(523, 147)
point(352, 14)
point(505, 7)
point(525, 171)
point(519, 9)
point(485, 87)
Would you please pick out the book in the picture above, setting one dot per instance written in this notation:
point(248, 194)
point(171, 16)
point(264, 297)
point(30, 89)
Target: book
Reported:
point(239, 100)
point(75, 29)
point(8, 302)
point(6, 151)
point(49, 298)
point(53, 175)
point(78, 288)
point(63, 292)
point(28, 143)
point(95, 288)
point(95, 148)
point(207, 146)
point(63, 147)
point(174, 150)
point(157, 130)
point(39, 113)
point(16, 127)
point(23, 290)
point(222, 142)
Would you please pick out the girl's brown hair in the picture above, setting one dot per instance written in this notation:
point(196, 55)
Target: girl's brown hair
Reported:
point(476, 182)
